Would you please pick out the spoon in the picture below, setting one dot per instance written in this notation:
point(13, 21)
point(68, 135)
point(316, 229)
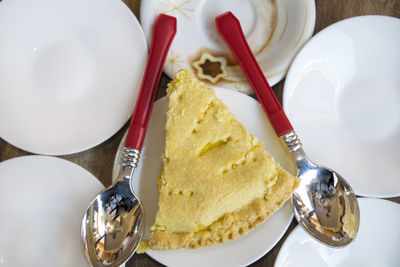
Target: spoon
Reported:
point(324, 203)
point(112, 226)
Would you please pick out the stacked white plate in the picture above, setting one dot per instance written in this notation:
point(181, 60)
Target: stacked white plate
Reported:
point(342, 96)
point(42, 203)
point(70, 72)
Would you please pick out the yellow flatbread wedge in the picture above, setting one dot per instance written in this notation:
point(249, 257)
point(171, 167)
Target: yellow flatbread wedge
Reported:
point(217, 181)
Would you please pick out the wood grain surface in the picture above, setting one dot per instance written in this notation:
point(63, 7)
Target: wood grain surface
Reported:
point(99, 160)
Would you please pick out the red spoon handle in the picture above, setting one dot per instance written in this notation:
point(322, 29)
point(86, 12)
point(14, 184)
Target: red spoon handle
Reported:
point(229, 28)
point(164, 30)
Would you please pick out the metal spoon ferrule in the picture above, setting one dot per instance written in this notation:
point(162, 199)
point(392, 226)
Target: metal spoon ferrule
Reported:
point(291, 141)
point(129, 161)
point(130, 157)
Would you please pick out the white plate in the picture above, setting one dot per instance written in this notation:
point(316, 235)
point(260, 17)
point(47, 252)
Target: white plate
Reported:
point(42, 203)
point(243, 250)
point(70, 72)
point(342, 95)
point(275, 30)
point(377, 242)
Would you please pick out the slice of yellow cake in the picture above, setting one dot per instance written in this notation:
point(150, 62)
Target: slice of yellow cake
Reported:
point(217, 182)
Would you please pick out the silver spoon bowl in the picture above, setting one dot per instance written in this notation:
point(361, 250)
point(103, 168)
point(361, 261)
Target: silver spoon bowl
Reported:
point(112, 226)
point(324, 203)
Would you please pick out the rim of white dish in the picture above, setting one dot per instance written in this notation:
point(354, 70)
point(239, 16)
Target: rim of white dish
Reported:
point(290, 71)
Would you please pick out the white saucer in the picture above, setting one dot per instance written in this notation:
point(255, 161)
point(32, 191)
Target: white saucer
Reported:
point(377, 242)
point(42, 203)
point(243, 250)
point(342, 95)
point(275, 30)
point(70, 72)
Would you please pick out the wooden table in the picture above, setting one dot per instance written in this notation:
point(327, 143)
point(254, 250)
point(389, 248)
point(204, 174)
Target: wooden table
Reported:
point(99, 160)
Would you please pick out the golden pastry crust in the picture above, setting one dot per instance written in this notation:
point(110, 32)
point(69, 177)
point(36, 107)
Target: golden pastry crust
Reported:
point(217, 181)
point(231, 225)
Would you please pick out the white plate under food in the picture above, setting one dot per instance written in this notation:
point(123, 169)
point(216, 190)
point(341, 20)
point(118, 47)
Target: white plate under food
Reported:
point(342, 95)
point(243, 250)
point(42, 203)
point(275, 30)
point(377, 242)
point(70, 72)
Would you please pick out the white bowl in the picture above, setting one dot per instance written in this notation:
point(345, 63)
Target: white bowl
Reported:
point(42, 201)
point(70, 72)
point(342, 96)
